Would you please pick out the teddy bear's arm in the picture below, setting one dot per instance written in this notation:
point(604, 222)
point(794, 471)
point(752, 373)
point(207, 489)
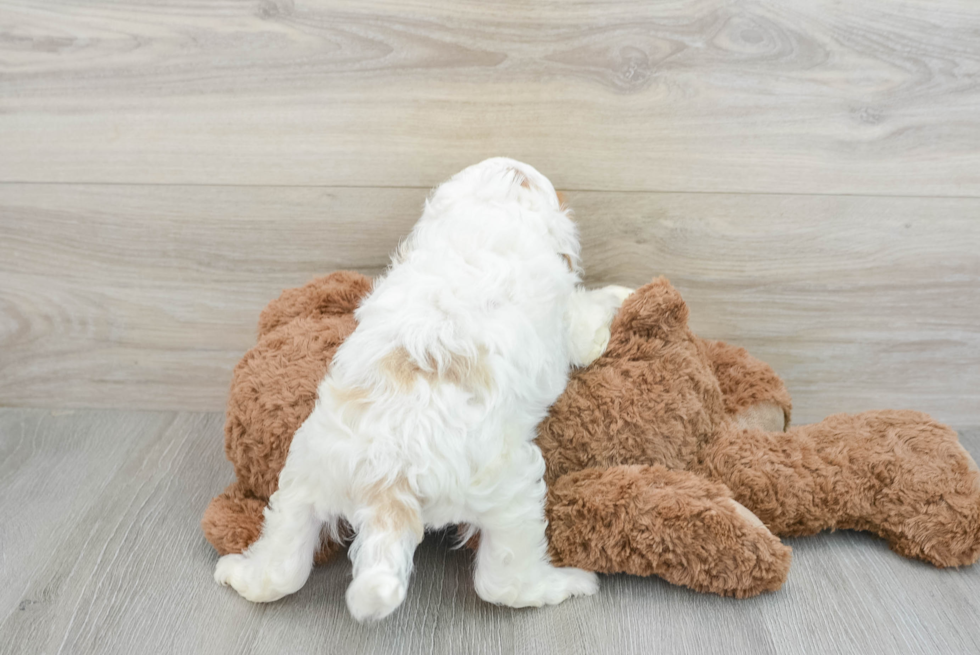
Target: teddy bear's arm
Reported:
point(648, 520)
point(751, 389)
point(898, 474)
point(337, 293)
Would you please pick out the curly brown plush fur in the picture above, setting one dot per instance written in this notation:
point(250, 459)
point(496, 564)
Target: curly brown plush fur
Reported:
point(666, 456)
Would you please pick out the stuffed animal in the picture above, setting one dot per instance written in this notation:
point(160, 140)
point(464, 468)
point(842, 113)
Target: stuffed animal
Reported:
point(667, 456)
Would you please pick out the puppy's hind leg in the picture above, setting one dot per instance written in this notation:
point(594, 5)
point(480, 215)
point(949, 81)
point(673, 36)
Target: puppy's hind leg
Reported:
point(389, 527)
point(512, 564)
point(279, 562)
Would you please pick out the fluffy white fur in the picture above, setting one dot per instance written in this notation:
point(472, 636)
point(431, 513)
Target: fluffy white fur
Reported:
point(428, 414)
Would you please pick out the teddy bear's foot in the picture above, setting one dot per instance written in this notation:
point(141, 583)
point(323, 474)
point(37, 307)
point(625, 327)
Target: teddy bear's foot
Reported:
point(765, 415)
point(940, 534)
point(754, 395)
point(898, 474)
point(648, 520)
point(233, 520)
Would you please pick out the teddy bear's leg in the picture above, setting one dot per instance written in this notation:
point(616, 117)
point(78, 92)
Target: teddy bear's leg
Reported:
point(590, 313)
point(648, 520)
point(898, 474)
point(753, 393)
point(234, 519)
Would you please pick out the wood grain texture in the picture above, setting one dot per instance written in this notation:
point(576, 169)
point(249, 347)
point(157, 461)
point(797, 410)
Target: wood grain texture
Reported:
point(101, 553)
point(876, 97)
point(146, 296)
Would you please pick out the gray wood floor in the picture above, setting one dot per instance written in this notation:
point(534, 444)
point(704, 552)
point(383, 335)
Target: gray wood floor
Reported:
point(100, 553)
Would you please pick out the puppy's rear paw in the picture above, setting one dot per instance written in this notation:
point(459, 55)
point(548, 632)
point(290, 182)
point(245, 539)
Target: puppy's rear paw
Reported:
point(548, 587)
point(565, 583)
point(255, 579)
point(245, 576)
point(373, 595)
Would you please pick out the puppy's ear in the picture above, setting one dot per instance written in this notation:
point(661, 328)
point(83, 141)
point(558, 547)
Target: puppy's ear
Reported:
point(521, 179)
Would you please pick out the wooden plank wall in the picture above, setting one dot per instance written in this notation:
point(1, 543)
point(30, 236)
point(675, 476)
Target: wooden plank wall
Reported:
point(806, 172)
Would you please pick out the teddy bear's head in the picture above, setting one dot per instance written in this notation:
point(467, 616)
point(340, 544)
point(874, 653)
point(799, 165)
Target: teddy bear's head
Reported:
point(652, 397)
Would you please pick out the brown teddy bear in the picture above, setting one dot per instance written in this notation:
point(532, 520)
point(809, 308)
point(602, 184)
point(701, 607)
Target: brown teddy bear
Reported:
point(667, 456)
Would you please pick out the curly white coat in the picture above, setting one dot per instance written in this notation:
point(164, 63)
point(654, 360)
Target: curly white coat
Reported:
point(428, 414)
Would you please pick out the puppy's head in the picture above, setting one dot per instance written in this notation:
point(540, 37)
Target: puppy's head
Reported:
point(501, 180)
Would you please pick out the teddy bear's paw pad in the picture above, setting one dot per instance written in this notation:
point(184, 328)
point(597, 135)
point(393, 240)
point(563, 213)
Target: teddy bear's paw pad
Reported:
point(766, 415)
point(747, 515)
point(253, 579)
point(549, 588)
point(373, 595)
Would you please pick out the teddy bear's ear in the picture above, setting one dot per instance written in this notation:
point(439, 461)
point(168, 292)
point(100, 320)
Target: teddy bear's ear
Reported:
point(332, 295)
point(654, 311)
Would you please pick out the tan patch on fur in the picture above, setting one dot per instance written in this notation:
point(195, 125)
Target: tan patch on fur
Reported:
point(568, 262)
point(398, 367)
point(470, 373)
point(521, 179)
point(562, 203)
point(352, 401)
point(354, 395)
point(391, 512)
point(763, 416)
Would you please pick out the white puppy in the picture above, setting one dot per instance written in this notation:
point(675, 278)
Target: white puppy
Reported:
point(428, 414)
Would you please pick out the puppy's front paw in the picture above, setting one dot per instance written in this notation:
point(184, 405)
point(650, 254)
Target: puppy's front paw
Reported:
point(599, 342)
point(618, 292)
point(596, 317)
